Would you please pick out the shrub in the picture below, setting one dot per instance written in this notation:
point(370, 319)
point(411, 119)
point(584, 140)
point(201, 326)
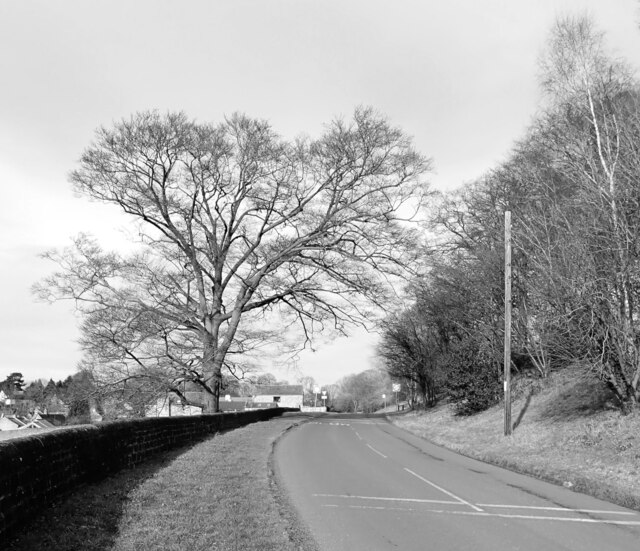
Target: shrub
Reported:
point(472, 381)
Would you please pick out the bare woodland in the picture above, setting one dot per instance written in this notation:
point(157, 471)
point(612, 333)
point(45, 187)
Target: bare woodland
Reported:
point(572, 186)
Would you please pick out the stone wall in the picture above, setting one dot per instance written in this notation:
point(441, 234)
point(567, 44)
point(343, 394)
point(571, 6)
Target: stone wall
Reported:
point(39, 469)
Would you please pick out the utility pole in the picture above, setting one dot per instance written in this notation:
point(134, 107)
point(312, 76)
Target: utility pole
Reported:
point(507, 323)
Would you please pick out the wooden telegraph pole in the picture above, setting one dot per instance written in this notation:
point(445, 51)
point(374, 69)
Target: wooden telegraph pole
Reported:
point(507, 323)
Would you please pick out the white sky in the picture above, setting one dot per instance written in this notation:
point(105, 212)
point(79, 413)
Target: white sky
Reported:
point(458, 75)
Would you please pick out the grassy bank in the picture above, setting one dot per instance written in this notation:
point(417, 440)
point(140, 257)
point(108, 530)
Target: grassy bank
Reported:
point(567, 432)
point(217, 495)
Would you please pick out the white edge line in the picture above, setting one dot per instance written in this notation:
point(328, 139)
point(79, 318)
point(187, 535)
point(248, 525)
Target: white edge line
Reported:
point(533, 517)
point(498, 515)
point(357, 434)
point(443, 502)
point(459, 499)
point(374, 450)
point(565, 509)
point(396, 499)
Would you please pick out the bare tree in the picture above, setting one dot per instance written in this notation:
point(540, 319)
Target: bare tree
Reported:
point(236, 225)
point(591, 131)
point(410, 349)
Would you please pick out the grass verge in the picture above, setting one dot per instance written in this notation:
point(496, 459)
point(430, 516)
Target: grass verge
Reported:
point(88, 519)
point(218, 495)
point(567, 432)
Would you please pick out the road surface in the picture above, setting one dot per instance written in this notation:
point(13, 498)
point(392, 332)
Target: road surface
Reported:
point(365, 484)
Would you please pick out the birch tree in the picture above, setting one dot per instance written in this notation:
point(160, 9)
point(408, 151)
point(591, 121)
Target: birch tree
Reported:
point(591, 132)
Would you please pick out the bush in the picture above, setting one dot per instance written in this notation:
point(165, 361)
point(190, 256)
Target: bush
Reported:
point(472, 382)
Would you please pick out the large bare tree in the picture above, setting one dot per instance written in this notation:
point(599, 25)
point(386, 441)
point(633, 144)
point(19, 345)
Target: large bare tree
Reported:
point(236, 226)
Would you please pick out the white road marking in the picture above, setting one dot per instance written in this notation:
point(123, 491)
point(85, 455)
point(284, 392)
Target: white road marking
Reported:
point(563, 509)
point(376, 451)
point(357, 434)
point(396, 499)
point(495, 515)
point(372, 507)
point(474, 507)
point(534, 517)
point(443, 502)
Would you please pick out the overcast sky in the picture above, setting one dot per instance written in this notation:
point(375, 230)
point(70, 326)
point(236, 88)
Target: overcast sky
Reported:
point(458, 75)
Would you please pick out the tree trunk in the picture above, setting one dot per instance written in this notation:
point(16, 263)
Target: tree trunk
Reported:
point(630, 404)
point(212, 370)
point(212, 396)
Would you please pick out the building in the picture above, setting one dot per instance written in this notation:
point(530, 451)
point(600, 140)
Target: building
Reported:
point(265, 396)
point(226, 406)
point(9, 422)
point(20, 422)
point(284, 396)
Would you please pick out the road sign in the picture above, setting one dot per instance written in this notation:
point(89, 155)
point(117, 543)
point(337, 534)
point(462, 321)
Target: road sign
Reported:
point(396, 387)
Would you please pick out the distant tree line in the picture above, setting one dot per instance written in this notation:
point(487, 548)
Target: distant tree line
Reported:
point(72, 397)
point(361, 392)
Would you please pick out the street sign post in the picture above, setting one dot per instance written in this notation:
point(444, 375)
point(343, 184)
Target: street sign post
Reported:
point(396, 389)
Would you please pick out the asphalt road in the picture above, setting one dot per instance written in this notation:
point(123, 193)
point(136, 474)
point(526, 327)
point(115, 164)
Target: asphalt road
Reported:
point(365, 484)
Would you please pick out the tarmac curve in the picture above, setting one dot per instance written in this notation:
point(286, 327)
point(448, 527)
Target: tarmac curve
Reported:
point(363, 484)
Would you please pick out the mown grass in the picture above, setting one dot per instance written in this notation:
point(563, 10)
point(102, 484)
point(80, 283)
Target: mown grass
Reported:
point(217, 495)
point(89, 518)
point(567, 432)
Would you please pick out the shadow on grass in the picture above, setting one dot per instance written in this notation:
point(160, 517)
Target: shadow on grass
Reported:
point(88, 519)
point(524, 409)
point(584, 397)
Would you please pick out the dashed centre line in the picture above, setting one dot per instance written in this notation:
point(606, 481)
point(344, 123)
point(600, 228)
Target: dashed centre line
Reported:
point(376, 451)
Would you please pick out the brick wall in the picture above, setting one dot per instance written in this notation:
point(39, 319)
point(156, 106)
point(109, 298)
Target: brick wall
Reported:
point(36, 470)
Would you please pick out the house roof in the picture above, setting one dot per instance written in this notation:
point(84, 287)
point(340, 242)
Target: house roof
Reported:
point(22, 422)
point(10, 422)
point(279, 390)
